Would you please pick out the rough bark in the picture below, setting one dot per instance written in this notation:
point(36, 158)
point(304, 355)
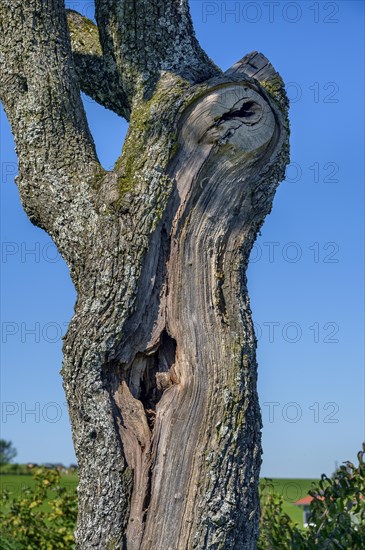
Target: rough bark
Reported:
point(145, 37)
point(159, 359)
point(97, 78)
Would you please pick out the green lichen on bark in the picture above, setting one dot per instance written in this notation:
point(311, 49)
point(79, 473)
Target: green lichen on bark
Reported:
point(134, 153)
point(83, 33)
point(276, 88)
point(147, 134)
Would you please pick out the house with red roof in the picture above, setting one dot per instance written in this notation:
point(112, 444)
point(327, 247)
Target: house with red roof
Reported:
point(304, 503)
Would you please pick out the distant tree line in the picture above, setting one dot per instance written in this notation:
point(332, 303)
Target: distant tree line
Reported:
point(7, 452)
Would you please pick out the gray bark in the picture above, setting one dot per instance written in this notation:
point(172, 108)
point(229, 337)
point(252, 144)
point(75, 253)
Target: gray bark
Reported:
point(97, 78)
point(159, 359)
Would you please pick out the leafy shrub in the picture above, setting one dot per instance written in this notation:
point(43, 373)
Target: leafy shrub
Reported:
point(277, 531)
point(337, 518)
point(337, 514)
point(42, 518)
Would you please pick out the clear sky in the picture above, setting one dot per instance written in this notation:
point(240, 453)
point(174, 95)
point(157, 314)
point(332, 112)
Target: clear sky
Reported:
point(306, 275)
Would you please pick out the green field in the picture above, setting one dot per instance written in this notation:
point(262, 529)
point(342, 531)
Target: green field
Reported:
point(16, 484)
point(290, 489)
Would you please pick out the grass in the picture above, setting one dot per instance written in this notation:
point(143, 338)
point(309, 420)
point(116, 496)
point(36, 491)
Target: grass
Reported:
point(16, 484)
point(290, 489)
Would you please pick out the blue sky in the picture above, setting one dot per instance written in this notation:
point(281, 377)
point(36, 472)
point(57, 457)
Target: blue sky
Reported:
point(306, 277)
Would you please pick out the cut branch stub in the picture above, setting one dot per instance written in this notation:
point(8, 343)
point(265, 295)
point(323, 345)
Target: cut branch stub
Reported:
point(232, 114)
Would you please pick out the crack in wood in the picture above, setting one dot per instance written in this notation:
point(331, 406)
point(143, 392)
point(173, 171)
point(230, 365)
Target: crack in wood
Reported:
point(249, 110)
point(135, 390)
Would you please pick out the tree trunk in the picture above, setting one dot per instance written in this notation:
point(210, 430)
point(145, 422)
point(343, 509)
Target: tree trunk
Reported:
point(159, 360)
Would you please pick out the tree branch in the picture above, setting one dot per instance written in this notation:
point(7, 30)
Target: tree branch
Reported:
point(57, 158)
point(98, 79)
point(146, 37)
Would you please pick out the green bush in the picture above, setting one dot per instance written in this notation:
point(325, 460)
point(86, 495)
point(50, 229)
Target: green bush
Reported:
point(337, 514)
point(277, 531)
point(337, 518)
point(42, 518)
